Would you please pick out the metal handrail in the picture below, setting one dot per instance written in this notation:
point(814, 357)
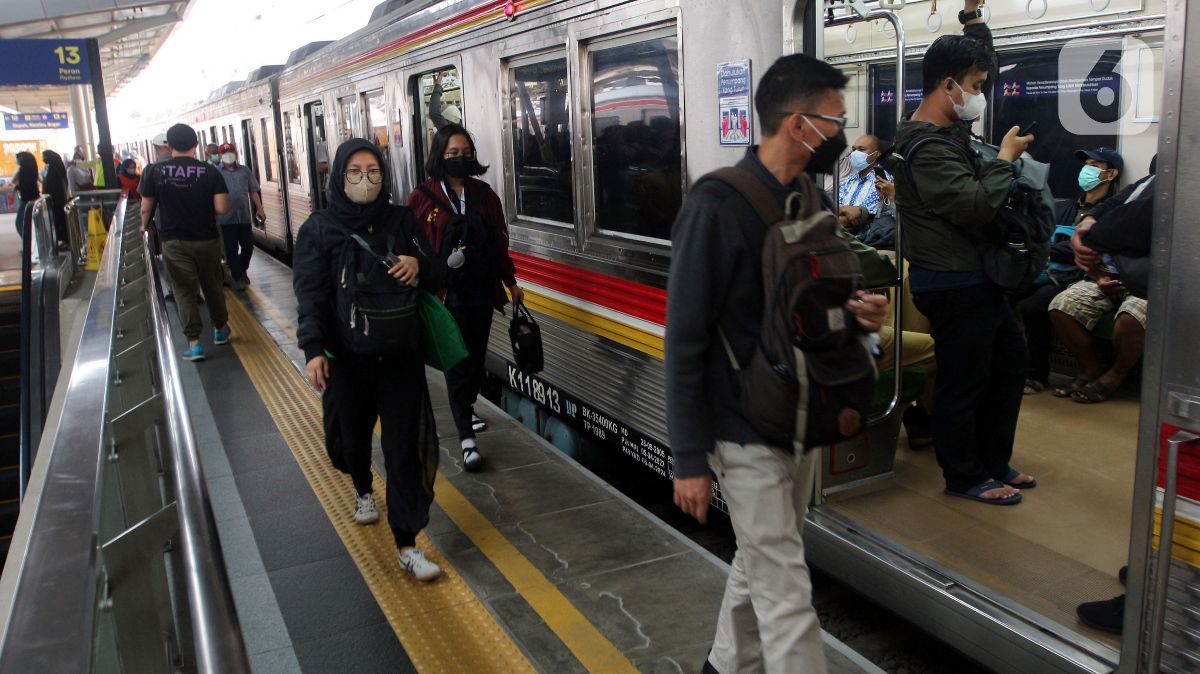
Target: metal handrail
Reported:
point(218, 637)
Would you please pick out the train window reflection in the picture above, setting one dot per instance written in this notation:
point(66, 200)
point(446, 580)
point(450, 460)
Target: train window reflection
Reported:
point(541, 136)
point(884, 96)
point(377, 124)
point(638, 167)
point(439, 102)
point(289, 149)
point(268, 150)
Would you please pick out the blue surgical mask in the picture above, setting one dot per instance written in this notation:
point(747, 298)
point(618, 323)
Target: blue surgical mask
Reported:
point(859, 160)
point(1089, 177)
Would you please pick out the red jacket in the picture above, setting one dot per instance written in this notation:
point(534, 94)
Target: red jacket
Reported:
point(434, 219)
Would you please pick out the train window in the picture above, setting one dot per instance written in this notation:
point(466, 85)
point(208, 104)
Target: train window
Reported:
point(345, 119)
point(637, 164)
point(883, 96)
point(289, 149)
point(268, 151)
point(436, 107)
point(318, 152)
point(212, 137)
point(541, 137)
point(375, 107)
point(250, 148)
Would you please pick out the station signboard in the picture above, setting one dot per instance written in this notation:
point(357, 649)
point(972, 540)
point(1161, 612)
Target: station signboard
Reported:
point(44, 62)
point(24, 121)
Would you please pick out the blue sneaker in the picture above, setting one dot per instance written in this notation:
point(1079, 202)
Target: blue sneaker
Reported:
point(222, 336)
point(194, 353)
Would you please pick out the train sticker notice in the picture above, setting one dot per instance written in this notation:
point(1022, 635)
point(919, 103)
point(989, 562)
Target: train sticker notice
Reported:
point(733, 103)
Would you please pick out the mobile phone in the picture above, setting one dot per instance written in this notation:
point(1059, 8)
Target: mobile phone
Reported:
point(1029, 129)
point(879, 172)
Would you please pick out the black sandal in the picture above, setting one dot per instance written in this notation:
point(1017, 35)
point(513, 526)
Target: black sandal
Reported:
point(1092, 393)
point(1070, 389)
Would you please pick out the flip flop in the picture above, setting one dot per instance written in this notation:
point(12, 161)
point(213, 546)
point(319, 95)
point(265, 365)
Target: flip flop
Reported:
point(1013, 474)
point(1033, 386)
point(1092, 393)
point(1070, 389)
point(973, 494)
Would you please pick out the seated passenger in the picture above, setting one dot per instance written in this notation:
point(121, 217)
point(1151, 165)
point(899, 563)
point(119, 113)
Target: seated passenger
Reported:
point(1097, 179)
point(370, 375)
point(1076, 311)
point(863, 195)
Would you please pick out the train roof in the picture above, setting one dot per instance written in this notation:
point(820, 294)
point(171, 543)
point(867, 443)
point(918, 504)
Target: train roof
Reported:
point(307, 50)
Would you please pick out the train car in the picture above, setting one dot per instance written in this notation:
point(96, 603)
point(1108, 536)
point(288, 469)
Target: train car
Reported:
point(595, 116)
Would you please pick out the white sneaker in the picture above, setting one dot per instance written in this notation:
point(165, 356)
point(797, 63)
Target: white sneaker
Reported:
point(414, 561)
point(364, 509)
point(478, 424)
point(472, 459)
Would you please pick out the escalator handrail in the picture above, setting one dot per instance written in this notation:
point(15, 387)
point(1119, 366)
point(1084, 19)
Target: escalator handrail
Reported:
point(216, 631)
point(51, 630)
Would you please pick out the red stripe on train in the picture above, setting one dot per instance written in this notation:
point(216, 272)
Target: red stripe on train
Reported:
point(1189, 465)
point(643, 301)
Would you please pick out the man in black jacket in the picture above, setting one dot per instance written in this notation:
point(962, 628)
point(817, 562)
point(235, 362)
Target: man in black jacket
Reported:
point(767, 620)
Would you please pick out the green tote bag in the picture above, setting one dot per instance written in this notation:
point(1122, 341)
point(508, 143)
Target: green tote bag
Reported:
point(440, 338)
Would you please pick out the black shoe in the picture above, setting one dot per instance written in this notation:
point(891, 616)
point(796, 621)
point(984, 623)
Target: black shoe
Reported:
point(1106, 616)
point(1123, 574)
point(472, 459)
point(917, 423)
point(708, 668)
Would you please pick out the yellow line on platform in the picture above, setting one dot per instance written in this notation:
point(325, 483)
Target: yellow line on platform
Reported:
point(443, 626)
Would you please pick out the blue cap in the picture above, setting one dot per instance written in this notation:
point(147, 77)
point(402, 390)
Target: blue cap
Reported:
point(1105, 154)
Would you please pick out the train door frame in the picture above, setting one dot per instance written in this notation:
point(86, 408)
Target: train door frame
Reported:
point(376, 86)
point(398, 115)
point(249, 150)
point(411, 85)
point(316, 177)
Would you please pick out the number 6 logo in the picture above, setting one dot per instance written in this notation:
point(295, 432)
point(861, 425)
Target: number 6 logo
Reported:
point(1096, 88)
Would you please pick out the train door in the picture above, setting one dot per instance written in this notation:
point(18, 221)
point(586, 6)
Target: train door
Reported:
point(345, 119)
point(250, 148)
point(318, 152)
point(436, 99)
point(375, 120)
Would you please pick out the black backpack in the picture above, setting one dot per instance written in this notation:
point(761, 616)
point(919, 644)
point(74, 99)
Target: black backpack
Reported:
point(468, 231)
point(377, 314)
point(1020, 238)
point(812, 376)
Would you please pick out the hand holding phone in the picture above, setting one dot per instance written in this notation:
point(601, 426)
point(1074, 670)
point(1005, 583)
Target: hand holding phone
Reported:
point(1028, 129)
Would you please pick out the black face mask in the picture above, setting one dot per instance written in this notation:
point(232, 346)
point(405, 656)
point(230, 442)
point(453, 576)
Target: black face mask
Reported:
point(825, 158)
point(459, 167)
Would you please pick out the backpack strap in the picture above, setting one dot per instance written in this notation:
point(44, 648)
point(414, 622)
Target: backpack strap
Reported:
point(906, 155)
point(752, 190)
point(435, 198)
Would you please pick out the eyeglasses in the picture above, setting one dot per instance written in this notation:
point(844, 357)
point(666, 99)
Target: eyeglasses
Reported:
point(355, 176)
point(840, 121)
point(450, 154)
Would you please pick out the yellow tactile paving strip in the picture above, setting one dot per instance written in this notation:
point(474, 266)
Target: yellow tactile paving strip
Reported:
point(429, 620)
point(442, 625)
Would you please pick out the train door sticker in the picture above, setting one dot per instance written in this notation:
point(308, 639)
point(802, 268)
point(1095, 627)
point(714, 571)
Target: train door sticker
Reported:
point(733, 102)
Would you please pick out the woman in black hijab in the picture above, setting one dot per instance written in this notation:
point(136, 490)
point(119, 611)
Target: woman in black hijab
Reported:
point(27, 187)
point(54, 184)
point(355, 267)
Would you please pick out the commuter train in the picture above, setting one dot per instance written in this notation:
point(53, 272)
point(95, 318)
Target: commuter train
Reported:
point(595, 116)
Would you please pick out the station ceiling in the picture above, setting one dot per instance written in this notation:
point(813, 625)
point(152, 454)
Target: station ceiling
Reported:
point(130, 32)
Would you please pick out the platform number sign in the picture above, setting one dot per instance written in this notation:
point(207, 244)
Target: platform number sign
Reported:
point(31, 62)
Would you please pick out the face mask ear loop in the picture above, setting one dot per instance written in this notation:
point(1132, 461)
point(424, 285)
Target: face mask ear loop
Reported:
point(814, 128)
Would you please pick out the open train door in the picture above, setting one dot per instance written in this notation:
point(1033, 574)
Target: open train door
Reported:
point(1163, 605)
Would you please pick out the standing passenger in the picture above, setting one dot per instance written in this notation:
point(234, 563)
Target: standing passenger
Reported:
point(54, 185)
point(235, 225)
point(26, 181)
point(948, 212)
point(462, 215)
point(370, 370)
point(767, 621)
point(189, 195)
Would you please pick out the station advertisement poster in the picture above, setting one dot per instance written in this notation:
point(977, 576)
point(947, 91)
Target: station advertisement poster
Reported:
point(8, 155)
point(58, 62)
point(24, 121)
point(733, 103)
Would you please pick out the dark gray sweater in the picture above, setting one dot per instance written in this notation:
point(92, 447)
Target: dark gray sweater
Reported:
point(716, 278)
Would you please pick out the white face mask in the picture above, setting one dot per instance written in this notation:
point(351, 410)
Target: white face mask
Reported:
point(364, 192)
point(229, 158)
point(972, 106)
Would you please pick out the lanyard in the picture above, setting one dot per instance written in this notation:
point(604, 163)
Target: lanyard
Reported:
point(462, 201)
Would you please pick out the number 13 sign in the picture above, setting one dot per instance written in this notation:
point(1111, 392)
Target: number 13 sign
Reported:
point(44, 62)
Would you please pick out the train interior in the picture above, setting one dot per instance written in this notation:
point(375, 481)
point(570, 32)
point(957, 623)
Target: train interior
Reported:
point(1068, 538)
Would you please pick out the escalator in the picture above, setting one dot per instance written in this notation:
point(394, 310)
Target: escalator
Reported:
point(10, 417)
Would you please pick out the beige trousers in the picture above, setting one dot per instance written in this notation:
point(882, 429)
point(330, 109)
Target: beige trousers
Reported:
point(767, 621)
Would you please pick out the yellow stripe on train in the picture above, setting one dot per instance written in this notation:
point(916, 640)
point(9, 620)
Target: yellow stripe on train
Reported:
point(1186, 537)
point(632, 337)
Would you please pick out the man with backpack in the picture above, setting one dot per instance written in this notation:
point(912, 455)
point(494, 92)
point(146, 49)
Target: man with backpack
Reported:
point(723, 356)
point(949, 202)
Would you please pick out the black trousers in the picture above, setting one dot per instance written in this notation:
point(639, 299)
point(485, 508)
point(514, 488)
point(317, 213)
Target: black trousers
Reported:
point(239, 246)
point(363, 389)
point(463, 380)
point(981, 358)
point(1035, 317)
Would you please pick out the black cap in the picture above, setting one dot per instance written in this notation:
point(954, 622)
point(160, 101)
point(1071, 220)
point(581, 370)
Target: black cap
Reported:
point(181, 137)
point(1105, 154)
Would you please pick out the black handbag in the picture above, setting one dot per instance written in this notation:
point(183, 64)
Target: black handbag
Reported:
point(526, 338)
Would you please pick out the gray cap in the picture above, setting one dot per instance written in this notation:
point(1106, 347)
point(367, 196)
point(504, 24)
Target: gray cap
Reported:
point(160, 140)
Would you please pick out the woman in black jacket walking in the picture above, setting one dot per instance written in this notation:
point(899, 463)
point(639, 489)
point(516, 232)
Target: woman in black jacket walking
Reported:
point(355, 268)
point(54, 184)
point(27, 188)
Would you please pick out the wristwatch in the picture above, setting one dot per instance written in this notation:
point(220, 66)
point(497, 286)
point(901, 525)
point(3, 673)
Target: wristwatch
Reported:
point(965, 16)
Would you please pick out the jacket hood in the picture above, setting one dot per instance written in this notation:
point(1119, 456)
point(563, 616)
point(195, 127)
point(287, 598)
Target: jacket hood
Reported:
point(341, 208)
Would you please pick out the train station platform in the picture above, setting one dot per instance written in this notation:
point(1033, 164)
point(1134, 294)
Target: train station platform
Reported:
point(220, 534)
point(546, 567)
